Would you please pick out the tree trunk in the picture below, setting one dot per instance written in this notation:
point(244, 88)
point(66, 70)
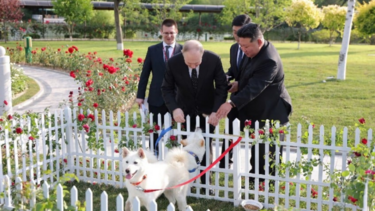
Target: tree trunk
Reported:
point(341, 71)
point(299, 38)
point(118, 26)
point(70, 29)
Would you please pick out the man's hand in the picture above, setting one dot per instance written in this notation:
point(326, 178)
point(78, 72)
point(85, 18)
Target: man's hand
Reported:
point(223, 110)
point(178, 115)
point(234, 87)
point(213, 120)
point(139, 101)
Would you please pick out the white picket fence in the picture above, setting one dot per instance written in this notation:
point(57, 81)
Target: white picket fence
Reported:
point(64, 148)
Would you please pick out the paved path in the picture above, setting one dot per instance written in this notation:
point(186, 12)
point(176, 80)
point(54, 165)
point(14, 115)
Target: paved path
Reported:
point(54, 89)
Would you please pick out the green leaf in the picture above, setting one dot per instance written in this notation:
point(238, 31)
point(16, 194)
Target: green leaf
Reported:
point(345, 173)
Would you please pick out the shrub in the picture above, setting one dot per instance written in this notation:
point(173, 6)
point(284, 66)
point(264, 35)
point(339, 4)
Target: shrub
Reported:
point(322, 36)
point(18, 79)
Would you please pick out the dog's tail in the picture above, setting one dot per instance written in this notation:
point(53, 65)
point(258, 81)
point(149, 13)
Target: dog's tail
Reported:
point(177, 156)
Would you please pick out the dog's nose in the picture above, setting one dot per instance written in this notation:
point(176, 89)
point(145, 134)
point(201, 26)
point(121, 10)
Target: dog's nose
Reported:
point(127, 171)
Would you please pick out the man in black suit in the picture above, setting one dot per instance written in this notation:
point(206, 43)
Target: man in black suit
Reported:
point(195, 85)
point(261, 91)
point(155, 62)
point(235, 58)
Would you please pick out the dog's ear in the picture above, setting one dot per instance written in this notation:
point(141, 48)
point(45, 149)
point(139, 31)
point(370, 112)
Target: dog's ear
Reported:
point(202, 143)
point(183, 142)
point(141, 153)
point(125, 152)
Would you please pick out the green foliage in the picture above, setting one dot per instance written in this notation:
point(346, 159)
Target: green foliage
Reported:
point(365, 19)
point(18, 79)
point(232, 8)
point(324, 36)
point(74, 12)
point(166, 9)
point(334, 20)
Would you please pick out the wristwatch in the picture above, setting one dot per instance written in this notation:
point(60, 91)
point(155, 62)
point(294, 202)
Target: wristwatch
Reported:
point(231, 103)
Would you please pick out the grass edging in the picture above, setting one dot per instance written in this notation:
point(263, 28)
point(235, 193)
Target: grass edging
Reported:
point(32, 89)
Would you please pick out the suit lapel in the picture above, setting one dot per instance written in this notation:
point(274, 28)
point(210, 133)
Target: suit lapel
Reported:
point(177, 49)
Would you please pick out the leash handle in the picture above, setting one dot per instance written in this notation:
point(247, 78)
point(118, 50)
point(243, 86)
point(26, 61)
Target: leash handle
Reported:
point(203, 172)
point(163, 132)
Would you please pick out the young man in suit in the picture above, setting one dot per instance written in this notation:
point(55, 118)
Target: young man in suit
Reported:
point(195, 84)
point(155, 63)
point(261, 91)
point(235, 58)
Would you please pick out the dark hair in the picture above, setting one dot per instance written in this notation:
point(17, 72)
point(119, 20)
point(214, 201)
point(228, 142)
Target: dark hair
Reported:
point(241, 20)
point(250, 30)
point(169, 23)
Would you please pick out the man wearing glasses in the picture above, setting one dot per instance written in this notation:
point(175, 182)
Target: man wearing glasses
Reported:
point(155, 63)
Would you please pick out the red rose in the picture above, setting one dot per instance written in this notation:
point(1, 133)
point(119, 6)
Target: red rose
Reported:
point(5, 102)
point(72, 74)
point(364, 141)
point(357, 154)
point(173, 138)
point(65, 160)
point(79, 104)
point(71, 50)
point(135, 125)
point(354, 200)
point(151, 131)
point(31, 138)
point(91, 116)
point(271, 131)
point(252, 136)
point(81, 117)
point(89, 83)
point(157, 127)
point(248, 123)
point(362, 120)
point(128, 60)
point(95, 105)
point(116, 151)
point(281, 131)
point(18, 130)
point(335, 198)
point(261, 132)
point(111, 69)
point(86, 127)
point(139, 60)
point(349, 162)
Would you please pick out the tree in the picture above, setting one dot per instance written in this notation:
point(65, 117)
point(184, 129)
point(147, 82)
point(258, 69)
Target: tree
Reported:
point(268, 13)
point(74, 12)
point(365, 19)
point(167, 9)
point(10, 11)
point(334, 19)
point(303, 14)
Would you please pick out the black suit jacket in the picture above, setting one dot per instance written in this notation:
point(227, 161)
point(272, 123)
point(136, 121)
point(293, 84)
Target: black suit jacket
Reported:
point(212, 85)
point(262, 94)
point(233, 69)
point(154, 62)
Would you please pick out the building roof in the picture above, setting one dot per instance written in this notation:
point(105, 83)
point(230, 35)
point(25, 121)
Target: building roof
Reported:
point(110, 5)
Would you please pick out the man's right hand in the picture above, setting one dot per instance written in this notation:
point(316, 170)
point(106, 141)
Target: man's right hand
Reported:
point(139, 101)
point(178, 115)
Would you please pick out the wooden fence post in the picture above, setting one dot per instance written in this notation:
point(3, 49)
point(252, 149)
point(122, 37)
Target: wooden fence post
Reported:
point(5, 83)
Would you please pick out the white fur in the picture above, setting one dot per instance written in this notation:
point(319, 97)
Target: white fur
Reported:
point(161, 174)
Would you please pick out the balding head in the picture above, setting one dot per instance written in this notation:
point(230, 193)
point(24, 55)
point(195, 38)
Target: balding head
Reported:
point(193, 52)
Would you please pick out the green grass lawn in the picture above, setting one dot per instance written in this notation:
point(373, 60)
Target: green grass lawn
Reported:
point(339, 103)
point(33, 89)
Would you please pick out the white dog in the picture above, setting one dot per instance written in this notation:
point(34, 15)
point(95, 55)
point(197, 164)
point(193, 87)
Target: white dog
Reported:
point(142, 174)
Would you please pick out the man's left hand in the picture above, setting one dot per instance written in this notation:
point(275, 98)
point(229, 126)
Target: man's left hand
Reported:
point(213, 120)
point(223, 110)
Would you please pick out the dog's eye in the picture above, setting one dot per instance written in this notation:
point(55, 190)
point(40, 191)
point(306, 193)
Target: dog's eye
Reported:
point(135, 162)
point(127, 162)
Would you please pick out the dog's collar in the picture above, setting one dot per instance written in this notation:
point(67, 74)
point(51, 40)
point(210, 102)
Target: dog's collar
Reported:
point(137, 183)
point(196, 160)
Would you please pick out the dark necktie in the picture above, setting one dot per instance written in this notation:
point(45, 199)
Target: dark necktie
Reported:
point(194, 80)
point(239, 59)
point(167, 52)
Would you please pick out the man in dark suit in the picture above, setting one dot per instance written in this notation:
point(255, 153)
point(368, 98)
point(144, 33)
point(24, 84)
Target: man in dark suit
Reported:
point(235, 58)
point(261, 91)
point(195, 85)
point(155, 62)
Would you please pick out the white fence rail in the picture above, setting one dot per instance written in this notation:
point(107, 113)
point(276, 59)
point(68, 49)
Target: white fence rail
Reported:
point(63, 146)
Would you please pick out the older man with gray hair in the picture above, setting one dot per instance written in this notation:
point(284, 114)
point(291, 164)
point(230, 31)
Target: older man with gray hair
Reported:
point(195, 84)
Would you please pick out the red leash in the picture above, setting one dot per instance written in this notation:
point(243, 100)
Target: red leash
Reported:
point(203, 172)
